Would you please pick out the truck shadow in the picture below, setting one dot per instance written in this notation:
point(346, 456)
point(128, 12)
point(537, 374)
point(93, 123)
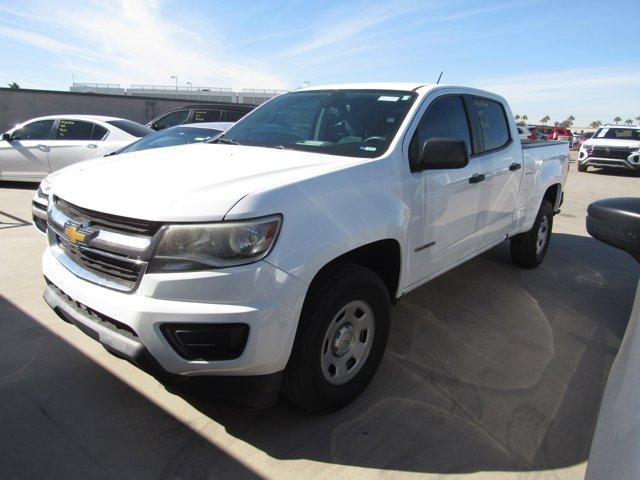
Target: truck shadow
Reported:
point(488, 368)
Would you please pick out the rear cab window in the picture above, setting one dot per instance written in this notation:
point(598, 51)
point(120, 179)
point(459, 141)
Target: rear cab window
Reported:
point(201, 116)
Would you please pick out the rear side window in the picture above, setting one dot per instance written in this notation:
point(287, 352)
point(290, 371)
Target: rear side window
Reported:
point(38, 130)
point(445, 117)
point(74, 130)
point(200, 116)
point(171, 119)
point(99, 132)
point(132, 128)
point(493, 122)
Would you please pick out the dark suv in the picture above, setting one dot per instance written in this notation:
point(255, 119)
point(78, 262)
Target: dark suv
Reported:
point(214, 112)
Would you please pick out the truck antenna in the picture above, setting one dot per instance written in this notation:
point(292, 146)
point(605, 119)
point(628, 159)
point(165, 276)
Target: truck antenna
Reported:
point(438, 82)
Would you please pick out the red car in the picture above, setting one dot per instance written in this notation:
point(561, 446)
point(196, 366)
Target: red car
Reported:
point(558, 133)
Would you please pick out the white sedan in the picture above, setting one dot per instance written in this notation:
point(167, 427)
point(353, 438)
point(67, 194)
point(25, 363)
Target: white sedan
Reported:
point(32, 150)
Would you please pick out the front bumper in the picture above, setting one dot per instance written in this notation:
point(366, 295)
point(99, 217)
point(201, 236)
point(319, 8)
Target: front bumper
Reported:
point(259, 295)
point(632, 162)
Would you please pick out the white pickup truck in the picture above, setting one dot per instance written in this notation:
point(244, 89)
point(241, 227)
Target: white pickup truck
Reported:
point(270, 258)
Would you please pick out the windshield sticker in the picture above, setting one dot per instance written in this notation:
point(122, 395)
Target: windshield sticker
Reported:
point(369, 149)
point(406, 97)
point(387, 98)
point(603, 132)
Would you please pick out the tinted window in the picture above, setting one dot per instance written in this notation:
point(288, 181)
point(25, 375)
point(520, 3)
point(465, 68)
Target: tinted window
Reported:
point(445, 117)
point(171, 119)
point(358, 123)
point(619, 133)
point(74, 130)
point(38, 130)
point(233, 116)
point(200, 116)
point(493, 121)
point(98, 132)
point(172, 136)
point(132, 128)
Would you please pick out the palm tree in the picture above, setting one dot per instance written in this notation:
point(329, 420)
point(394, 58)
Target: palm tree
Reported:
point(544, 120)
point(617, 120)
point(556, 123)
point(524, 118)
point(14, 86)
point(628, 121)
point(638, 119)
point(517, 117)
point(595, 124)
point(570, 120)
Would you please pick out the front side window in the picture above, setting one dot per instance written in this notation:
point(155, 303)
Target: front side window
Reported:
point(445, 118)
point(74, 130)
point(172, 136)
point(493, 122)
point(200, 116)
point(171, 119)
point(38, 130)
point(358, 123)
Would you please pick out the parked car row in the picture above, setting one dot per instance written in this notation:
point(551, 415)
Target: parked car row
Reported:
point(32, 150)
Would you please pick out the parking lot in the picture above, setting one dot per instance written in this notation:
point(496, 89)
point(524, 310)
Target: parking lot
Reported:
point(491, 372)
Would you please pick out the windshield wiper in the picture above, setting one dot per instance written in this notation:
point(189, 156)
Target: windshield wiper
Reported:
point(225, 140)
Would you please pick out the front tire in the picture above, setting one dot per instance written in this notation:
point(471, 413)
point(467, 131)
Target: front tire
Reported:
point(528, 249)
point(582, 168)
point(341, 339)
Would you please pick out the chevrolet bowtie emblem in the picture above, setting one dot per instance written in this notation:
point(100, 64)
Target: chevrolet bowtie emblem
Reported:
point(74, 235)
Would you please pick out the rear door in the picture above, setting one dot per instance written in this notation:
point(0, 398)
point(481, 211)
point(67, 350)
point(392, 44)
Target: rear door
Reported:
point(171, 119)
point(447, 206)
point(26, 156)
point(505, 172)
point(74, 141)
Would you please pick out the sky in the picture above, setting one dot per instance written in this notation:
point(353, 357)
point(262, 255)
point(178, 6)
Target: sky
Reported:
point(547, 57)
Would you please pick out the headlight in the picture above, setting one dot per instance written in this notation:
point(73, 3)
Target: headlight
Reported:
point(215, 245)
point(44, 189)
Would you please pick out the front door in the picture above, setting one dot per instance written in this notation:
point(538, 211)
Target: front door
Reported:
point(26, 156)
point(447, 204)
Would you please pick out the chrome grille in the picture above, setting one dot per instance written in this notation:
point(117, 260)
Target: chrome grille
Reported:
point(105, 249)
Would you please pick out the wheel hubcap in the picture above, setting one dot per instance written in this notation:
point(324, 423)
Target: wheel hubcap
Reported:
point(543, 234)
point(347, 342)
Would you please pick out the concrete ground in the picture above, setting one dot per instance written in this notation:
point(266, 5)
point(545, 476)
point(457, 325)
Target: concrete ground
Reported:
point(492, 372)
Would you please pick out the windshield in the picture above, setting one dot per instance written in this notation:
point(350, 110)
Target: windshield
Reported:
point(359, 123)
point(618, 133)
point(132, 128)
point(170, 137)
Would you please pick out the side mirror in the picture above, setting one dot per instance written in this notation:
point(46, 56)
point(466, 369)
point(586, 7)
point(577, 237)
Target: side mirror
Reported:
point(6, 137)
point(616, 222)
point(443, 153)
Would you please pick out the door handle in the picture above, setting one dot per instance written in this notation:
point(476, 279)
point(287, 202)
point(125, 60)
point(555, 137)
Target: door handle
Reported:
point(515, 166)
point(477, 178)
point(92, 145)
point(43, 147)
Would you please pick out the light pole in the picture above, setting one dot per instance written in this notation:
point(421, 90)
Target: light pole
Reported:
point(176, 79)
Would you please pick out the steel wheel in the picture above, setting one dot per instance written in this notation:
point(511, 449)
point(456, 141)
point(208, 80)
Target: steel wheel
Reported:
point(347, 342)
point(543, 234)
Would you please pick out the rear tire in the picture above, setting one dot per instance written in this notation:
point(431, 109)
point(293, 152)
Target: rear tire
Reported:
point(528, 249)
point(340, 341)
point(582, 168)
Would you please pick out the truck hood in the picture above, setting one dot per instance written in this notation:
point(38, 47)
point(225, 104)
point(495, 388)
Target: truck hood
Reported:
point(199, 182)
